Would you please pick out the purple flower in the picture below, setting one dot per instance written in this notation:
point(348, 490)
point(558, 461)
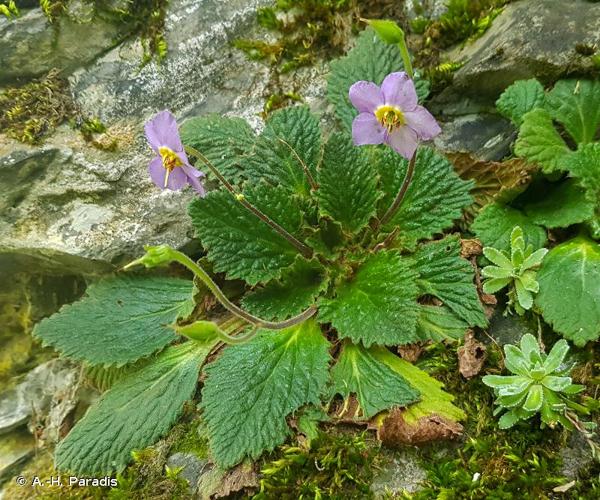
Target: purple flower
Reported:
point(391, 115)
point(170, 169)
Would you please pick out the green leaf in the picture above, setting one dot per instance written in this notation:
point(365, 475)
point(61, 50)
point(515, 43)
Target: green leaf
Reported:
point(560, 204)
point(576, 105)
point(295, 291)
point(134, 413)
point(556, 384)
point(372, 60)
point(496, 284)
point(120, 320)
point(524, 296)
point(539, 142)
point(515, 361)
point(224, 141)
point(347, 184)
point(377, 305)
point(498, 258)
point(435, 198)
point(569, 296)
point(375, 384)
point(499, 381)
point(439, 323)
point(507, 420)
point(556, 356)
point(290, 142)
point(529, 345)
point(240, 244)
point(495, 223)
point(520, 98)
point(585, 165)
point(535, 398)
point(447, 276)
point(434, 401)
point(253, 387)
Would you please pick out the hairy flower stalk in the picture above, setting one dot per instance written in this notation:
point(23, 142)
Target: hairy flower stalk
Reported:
point(304, 250)
point(163, 254)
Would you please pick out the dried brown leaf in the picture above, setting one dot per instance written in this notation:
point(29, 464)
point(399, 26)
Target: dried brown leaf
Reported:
point(471, 356)
point(396, 432)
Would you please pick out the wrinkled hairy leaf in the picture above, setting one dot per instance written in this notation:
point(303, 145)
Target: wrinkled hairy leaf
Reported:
point(444, 274)
point(433, 400)
point(118, 321)
point(134, 413)
point(520, 98)
point(295, 291)
point(377, 305)
point(495, 223)
point(372, 60)
point(376, 386)
point(435, 198)
point(439, 323)
point(226, 142)
point(569, 296)
point(289, 144)
point(585, 166)
point(240, 244)
point(347, 184)
point(253, 387)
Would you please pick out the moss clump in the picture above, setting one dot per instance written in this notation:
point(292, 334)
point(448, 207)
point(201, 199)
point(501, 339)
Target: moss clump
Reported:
point(31, 112)
point(336, 465)
point(522, 462)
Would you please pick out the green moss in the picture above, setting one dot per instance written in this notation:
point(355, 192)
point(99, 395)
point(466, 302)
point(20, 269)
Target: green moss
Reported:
point(338, 464)
point(189, 436)
point(31, 112)
point(522, 462)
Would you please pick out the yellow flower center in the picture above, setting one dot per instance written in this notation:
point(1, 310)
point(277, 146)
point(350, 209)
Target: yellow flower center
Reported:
point(390, 117)
point(170, 161)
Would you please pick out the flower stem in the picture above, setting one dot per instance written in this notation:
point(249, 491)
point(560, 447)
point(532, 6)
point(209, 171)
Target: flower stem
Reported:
point(410, 172)
point(405, 57)
point(222, 298)
point(304, 250)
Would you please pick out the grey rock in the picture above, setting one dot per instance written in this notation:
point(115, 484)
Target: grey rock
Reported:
point(537, 38)
point(47, 392)
point(401, 474)
point(576, 456)
point(487, 136)
point(31, 46)
point(508, 329)
point(192, 466)
point(430, 9)
point(15, 449)
point(71, 207)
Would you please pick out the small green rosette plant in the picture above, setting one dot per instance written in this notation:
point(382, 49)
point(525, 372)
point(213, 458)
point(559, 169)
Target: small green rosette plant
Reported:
point(540, 384)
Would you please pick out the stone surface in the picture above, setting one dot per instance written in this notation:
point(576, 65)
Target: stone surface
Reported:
point(402, 474)
point(47, 393)
point(508, 329)
point(576, 456)
point(430, 9)
point(70, 207)
point(487, 136)
point(30, 46)
point(192, 467)
point(15, 449)
point(536, 38)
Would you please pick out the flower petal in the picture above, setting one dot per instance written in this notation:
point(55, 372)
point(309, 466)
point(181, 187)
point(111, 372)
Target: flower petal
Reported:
point(162, 131)
point(196, 183)
point(157, 172)
point(367, 130)
point(178, 179)
point(399, 91)
point(365, 96)
point(423, 123)
point(404, 141)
